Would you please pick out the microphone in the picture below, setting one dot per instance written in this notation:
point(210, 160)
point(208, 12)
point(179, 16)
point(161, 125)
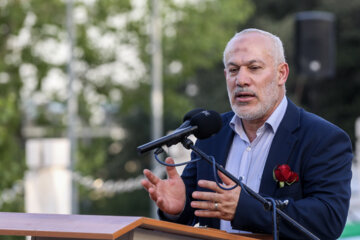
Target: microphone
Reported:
point(202, 124)
point(188, 116)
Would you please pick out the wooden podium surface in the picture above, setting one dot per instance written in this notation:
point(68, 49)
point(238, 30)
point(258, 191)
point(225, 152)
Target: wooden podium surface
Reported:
point(47, 226)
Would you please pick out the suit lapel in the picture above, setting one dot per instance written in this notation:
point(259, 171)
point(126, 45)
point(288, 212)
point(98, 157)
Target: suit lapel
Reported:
point(221, 151)
point(281, 148)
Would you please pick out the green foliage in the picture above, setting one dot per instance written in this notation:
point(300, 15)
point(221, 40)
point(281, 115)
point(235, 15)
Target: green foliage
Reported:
point(12, 165)
point(102, 9)
point(11, 158)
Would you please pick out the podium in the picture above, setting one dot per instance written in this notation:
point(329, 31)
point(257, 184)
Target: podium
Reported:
point(80, 227)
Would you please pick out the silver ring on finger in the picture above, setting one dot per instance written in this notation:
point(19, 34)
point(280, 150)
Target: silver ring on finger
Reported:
point(216, 205)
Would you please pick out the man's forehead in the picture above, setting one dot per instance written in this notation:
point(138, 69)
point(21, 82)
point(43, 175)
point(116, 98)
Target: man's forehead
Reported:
point(249, 54)
point(249, 48)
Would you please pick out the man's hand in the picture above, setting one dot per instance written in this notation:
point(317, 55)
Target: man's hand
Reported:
point(218, 204)
point(169, 195)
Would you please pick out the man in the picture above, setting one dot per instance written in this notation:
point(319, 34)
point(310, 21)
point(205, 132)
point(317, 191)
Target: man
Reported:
point(264, 131)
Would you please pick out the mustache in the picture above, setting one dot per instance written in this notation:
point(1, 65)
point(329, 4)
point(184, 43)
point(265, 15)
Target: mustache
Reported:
point(240, 90)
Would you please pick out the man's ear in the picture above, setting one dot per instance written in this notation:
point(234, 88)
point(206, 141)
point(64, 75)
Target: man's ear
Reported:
point(283, 73)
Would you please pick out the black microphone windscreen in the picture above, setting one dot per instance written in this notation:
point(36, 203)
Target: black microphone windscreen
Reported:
point(208, 123)
point(192, 113)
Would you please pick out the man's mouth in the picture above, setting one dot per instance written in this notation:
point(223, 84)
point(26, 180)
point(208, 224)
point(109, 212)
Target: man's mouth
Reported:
point(244, 96)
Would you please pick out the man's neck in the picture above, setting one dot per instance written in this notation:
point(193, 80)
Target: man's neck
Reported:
point(251, 126)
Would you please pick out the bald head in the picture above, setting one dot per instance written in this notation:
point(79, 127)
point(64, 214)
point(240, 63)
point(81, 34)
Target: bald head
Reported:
point(277, 49)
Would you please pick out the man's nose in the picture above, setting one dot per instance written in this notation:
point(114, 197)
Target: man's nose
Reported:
point(242, 78)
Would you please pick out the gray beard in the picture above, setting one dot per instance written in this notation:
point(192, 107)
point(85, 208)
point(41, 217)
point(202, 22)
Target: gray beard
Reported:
point(272, 92)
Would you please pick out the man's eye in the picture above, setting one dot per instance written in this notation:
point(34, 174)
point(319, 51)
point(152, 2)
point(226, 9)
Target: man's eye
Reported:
point(233, 70)
point(254, 67)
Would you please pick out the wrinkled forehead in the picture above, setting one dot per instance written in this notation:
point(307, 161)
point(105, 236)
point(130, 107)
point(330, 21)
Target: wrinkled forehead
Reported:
point(250, 45)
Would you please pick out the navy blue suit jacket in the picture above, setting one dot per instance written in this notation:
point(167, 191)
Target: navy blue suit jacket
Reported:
point(317, 150)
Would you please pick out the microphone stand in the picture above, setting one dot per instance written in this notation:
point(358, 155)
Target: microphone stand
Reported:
point(188, 144)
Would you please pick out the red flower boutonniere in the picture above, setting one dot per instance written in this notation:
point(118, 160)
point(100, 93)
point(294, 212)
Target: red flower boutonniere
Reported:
point(283, 174)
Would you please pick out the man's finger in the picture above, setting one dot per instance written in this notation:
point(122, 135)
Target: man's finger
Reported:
point(208, 196)
point(205, 205)
point(152, 178)
point(146, 184)
point(225, 179)
point(210, 185)
point(153, 194)
point(171, 171)
point(207, 214)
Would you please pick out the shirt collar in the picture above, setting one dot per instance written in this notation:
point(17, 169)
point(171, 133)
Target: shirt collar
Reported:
point(273, 121)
